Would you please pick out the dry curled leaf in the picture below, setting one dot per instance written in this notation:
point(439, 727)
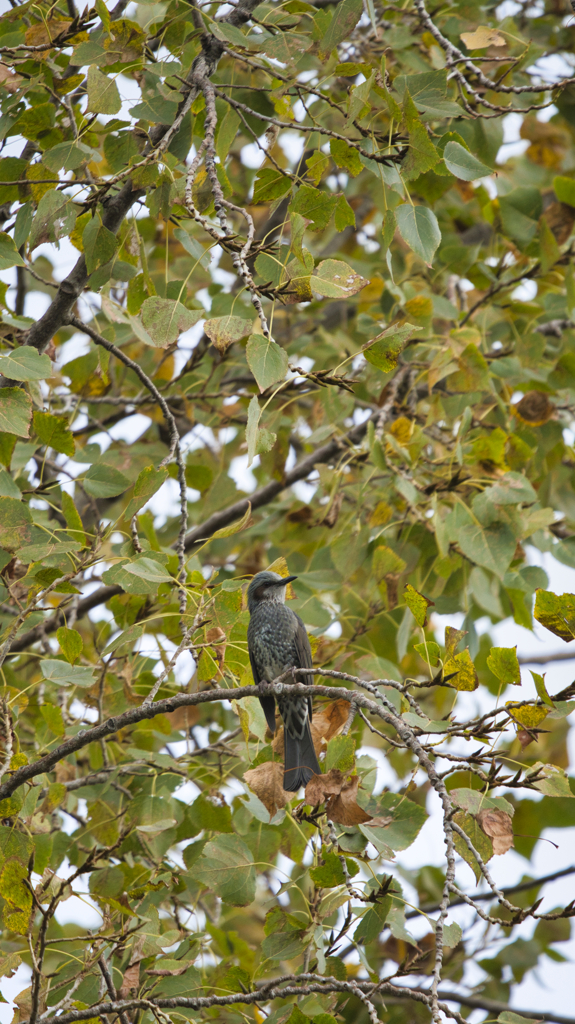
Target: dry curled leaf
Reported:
point(217, 638)
point(534, 408)
point(332, 515)
point(560, 217)
point(131, 981)
point(339, 794)
point(497, 825)
point(266, 781)
point(8, 80)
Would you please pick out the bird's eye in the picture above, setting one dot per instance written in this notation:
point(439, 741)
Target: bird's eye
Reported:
point(260, 593)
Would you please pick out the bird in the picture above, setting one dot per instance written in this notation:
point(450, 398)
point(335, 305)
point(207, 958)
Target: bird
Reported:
point(278, 641)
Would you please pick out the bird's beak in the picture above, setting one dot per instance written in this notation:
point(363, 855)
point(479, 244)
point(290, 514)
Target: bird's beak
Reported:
point(286, 579)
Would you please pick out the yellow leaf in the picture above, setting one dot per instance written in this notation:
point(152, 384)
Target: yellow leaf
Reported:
point(481, 38)
point(418, 604)
point(466, 678)
point(281, 567)
point(530, 715)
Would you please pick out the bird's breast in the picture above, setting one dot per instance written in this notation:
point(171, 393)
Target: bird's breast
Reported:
point(271, 642)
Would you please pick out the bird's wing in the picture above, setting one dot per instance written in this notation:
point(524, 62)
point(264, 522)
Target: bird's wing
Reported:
point(304, 655)
point(268, 702)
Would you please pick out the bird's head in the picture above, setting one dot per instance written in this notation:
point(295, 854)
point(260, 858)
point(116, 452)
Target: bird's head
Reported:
point(268, 586)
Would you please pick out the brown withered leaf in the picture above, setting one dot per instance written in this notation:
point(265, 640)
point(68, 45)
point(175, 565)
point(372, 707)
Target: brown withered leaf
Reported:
point(497, 825)
point(163, 972)
point(266, 781)
point(46, 31)
point(525, 737)
point(325, 724)
point(534, 408)
point(339, 794)
point(65, 771)
point(131, 981)
point(8, 80)
point(560, 219)
point(217, 637)
point(332, 515)
point(183, 718)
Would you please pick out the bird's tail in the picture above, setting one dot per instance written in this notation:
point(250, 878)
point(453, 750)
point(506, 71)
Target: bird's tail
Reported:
point(300, 760)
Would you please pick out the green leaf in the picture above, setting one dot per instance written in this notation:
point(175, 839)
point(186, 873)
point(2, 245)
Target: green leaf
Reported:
point(502, 661)
point(99, 244)
point(54, 432)
point(125, 641)
point(316, 166)
point(345, 156)
point(329, 874)
point(384, 351)
point(270, 184)
point(148, 483)
point(73, 520)
point(15, 522)
point(336, 280)
point(481, 842)
point(511, 489)
point(422, 154)
point(149, 569)
point(9, 255)
point(103, 95)
point(227, 131)
point(52, 716)
point(555, 781)
point(492, 547)
point(254, 413)
point(71, 643)
point(408, 818)
point(417, 603)
point(508, 1017)
point(15, 411)
point(55, 218)
point(237, 527)
point(102, 481)
point(556, 613)
point(25, 363)
point(373, 922)
point(211, 814)
point(226, 868)
point(419, 229)
point(67, 155)
point(166, 319)
point(224, 330)
point(564, 189)
point(62, 674)
point(345, 18)
point(343, 217)
point(541, 688)
point(452, 935)
point(267, 361)
point(316, 206)
point(463, 164)
point(340, 753)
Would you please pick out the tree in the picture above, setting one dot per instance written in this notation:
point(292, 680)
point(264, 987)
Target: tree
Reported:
point(378, 309)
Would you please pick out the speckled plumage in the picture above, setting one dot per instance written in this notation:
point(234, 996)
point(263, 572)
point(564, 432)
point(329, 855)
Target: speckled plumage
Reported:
point(277, 641)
